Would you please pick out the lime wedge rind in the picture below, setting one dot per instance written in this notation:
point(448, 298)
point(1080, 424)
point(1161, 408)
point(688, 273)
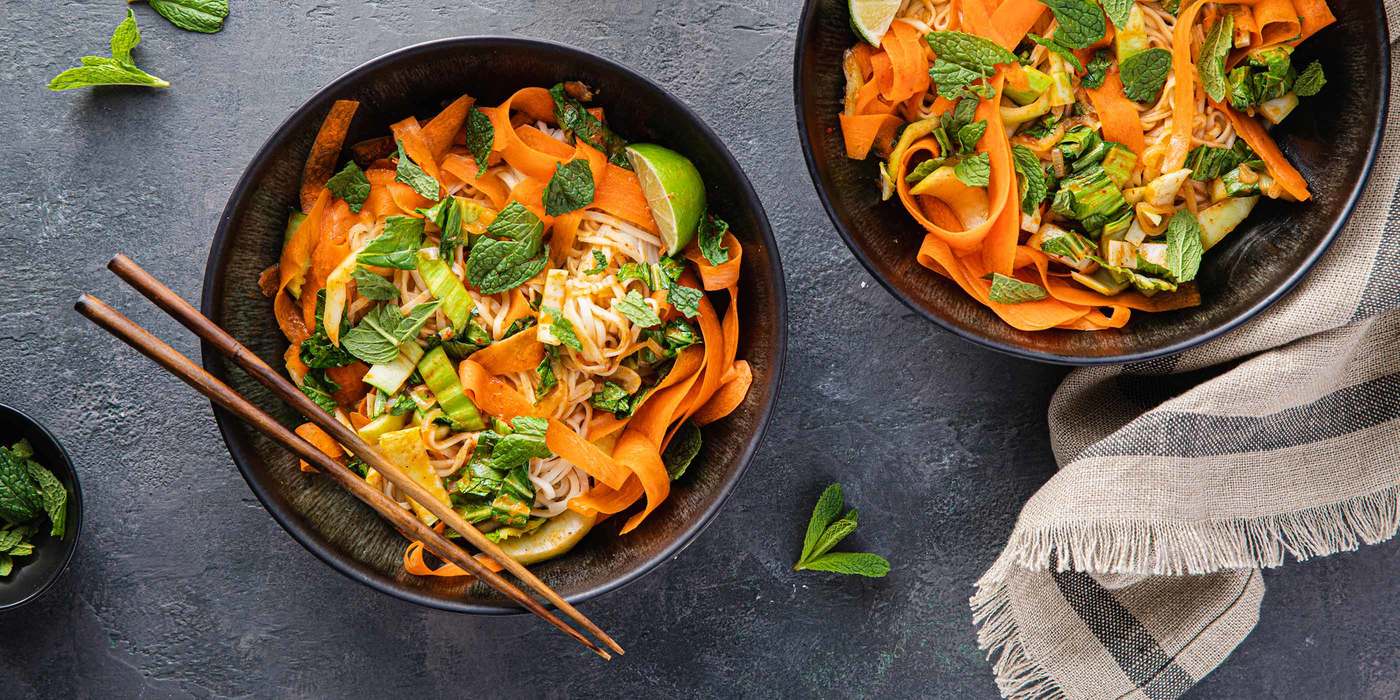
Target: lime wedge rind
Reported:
point(674, 191)
point(870, 19)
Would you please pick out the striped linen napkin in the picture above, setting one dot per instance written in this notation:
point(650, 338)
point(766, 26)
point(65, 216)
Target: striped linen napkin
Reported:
point(1135, 570)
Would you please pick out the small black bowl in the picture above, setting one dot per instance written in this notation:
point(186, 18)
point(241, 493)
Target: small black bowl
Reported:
point(34, 574)
point(418, 80)
point(1332, 138)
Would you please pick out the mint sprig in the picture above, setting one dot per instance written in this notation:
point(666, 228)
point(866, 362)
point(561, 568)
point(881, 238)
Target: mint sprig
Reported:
point(570, 188)
point(825, 530)
point(203, 16)
point(118, 69)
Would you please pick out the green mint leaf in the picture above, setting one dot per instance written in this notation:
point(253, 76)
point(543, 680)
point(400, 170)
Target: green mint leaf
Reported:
point(377, 338)
point(55, 496)
point(1184, 249)
point(634, 306)
point(319, 388)
point(951, 78)
point(575, 119)
point(412, 323)
point(684, 447)
point(976, 53)
point(125, 38)
point(834, 533)
point(1210, 64)
point(448, 215)
point(600, 264)
point(922, 170)
point(1009, 290)
point(614, 399)
point(711, 239)
point(516, 450)
point(1208, 162)
point(974, 171)
point(1118, 11)
point(20, 500)
point(1081, 22)
point(397, 246)
point(1097, 70)
point(402, 406)
point(530, 425)
point(634, 271)
point(1060, 50)
point(685, 299)
point(857, 563)
point(970, 134)
point(563, 329)
point(481, 136)
point(410, 174)
point(1030, 178)
point(317, 351)
point(569, 189)
point(204, 16)
point(6, 565)
point(351, 185)
point(982, 90)
point(516, 223)
point(372, 286)
point(1144, 74)
point(823, 514)
point(1310, 81)
point(544, 373)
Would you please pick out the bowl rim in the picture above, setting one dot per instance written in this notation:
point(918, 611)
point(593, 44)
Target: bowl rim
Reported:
point(241, 451)
point(69, 541)
point(806, 25)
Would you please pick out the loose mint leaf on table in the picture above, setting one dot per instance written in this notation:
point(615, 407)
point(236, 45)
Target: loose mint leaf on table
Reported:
point(856, 563)
point(1009, 290)
point(480, 137)
point(410, 174)
point(372, 286)
point(204, 16)
point(1144, 73)
point(397, 246)
point(1184, 249)
point(570, 188)
point(1060, 50)
point(1081, 22)
point(825, 530)
point(118, 69)
point(1210, 64)
point(711, 237)
point(974, 171)
point(351, 185)
point(1031, 178)
point(635, 308)
point(684, 447)
point(1310, 81)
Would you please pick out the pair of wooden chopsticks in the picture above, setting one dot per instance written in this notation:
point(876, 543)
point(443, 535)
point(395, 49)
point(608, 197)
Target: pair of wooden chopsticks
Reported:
point(221, 394)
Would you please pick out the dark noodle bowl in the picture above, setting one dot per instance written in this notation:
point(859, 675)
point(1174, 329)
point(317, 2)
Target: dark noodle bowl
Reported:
point(1332, 139)
point(332, 524)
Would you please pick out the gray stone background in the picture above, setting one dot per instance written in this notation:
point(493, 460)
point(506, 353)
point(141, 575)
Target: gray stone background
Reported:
point(182, 584)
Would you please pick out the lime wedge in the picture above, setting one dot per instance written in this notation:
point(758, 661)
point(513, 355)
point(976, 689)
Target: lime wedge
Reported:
point(674, 191)
point(870, 19)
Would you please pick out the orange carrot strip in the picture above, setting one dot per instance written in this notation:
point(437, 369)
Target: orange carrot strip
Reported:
point(1277, 21)
point(521, 352)
point(1258, 139)
point(621, 195)
point(1313, 16)
point(323, 442)
point(350, 378)
point(1013, 18)
point(464, 168)
point(1118, 115)
point(730, 394)
point(325, 150)
point(491, 394)
point(860, 131)
point(643, 457)
point(442, 129)
point(576, 450)
point(724, 275)
point(416, 146)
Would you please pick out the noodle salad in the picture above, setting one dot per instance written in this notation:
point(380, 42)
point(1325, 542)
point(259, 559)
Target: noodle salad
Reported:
point(527, 314)
point(1072, 161)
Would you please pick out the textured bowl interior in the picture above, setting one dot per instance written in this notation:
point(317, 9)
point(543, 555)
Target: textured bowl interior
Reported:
point(1332, 138)
point(418, 80)
point(32, 575)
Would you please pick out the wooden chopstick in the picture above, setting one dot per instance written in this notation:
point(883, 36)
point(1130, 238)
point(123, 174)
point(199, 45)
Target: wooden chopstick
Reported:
point(181, 366)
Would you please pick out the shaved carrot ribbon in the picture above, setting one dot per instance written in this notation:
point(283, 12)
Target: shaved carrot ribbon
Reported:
point(1118, 115)
point(313, 434)
point(521, 352)
point(439, 132)
point(325, 150)
point(1258, 139)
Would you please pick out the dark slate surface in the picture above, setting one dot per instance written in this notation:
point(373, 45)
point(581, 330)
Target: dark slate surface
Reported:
point(183, 585)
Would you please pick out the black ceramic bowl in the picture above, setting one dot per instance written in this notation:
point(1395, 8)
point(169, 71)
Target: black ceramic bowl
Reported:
point(1332, 138)
point(33, 575)
point(419, 80)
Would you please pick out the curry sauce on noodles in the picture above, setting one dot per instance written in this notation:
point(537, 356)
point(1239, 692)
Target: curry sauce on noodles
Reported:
point(1069, 167)
point(523, 346)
